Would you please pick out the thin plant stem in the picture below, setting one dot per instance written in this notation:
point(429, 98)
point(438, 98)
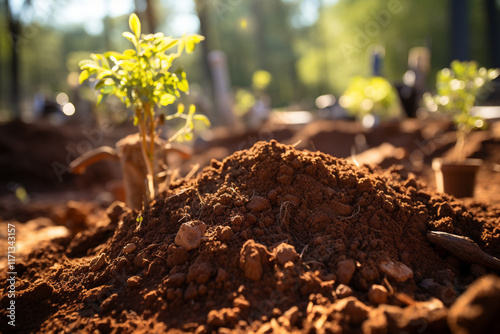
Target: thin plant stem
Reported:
point(152, 137)
point(145, 154)
point(460, 146)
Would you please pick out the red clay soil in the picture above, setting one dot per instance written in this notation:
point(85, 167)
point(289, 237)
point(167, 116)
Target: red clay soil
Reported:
point(295, 241)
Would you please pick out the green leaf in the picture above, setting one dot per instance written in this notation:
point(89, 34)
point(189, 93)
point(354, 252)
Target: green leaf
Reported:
point(116, 55)
point(129, 53)
point(99, 57)
point(192, 110)
point(135, 25)
point(89, 64)
point(167, 99)
point(148, 37)
point(100, 84)
point(103, 74)
point(202, 118)
point(130, 37)
point(180, 108)
point(192, 41)
point(100, 98)
point(189, 43)
point(108, 89)
point(183, 84)
point(166, 43)
point(84, 75)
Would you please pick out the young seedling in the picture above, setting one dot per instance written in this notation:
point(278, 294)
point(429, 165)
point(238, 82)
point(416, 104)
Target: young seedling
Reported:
point(143, 79)
point(457, 89)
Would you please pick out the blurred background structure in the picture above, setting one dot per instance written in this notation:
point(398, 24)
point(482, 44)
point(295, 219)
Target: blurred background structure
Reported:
point(309, 48)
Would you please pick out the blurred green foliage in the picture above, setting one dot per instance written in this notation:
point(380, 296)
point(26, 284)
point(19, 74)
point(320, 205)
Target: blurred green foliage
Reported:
point(373, 95)
point(305, 60)
point(457, 89)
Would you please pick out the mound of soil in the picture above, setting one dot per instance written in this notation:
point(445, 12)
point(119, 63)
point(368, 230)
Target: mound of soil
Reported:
point(269, 239)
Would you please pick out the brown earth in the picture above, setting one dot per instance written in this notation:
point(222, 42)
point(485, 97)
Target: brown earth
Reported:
point(295, 241)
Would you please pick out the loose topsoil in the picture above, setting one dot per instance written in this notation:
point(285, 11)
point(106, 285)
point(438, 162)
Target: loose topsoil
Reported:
point(295, 241)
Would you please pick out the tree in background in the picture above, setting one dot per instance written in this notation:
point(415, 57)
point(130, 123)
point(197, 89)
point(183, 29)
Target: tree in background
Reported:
point(255, 35)
point(146, 10)
point(305, 60)
point(14, 33)
point(340, 43)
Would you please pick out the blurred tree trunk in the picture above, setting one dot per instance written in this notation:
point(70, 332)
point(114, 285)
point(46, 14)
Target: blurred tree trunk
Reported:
point(14, 28)
point(260, 33)
point(289, 36)
point(460, 43)
point(108, 26)
point(146, 9)
point(202, 12)
point(493, 18)
point(150, 14)
point(2, 74)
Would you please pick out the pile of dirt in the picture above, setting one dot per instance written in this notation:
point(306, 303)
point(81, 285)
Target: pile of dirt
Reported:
point(269, 239)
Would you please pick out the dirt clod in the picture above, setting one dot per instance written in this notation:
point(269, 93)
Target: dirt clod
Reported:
point(378, 294)
point(199, 273)
point(396, 270)
point(190, 234)
point(129, 248)
point(345, 271)
point(252, 256)
point(258, 203)
point(285, 252)
point(98, 262)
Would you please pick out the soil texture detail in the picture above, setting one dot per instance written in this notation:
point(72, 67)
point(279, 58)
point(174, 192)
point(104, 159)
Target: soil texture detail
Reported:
point(270, 240)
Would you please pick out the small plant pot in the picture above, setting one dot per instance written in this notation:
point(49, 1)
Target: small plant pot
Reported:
point(457, 179)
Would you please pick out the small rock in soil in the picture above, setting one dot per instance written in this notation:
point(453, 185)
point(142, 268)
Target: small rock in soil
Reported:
point(396, 270)
point(345, 270)
point(285, 252)
point(377, 294)
point(224, 233)
point(134, 281)
point(129, 248)
point(98, 262)
point(252, 256)
point(343, 291)
point(258, 203)
point(190, 234)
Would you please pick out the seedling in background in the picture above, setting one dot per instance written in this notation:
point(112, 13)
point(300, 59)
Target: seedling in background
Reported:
point(370, 96)
point(457, 89)
point(143, 79)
